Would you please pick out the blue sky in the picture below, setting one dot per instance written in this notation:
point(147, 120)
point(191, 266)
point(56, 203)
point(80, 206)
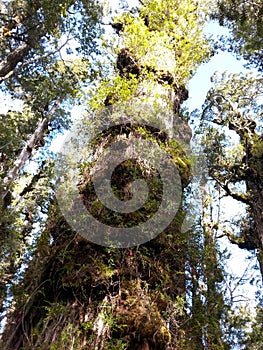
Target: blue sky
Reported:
point(222, 61)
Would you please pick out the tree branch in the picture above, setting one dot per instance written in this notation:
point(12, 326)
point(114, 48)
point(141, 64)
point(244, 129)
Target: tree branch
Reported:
point(18, 54)
point(238, 196)
point(11, 61)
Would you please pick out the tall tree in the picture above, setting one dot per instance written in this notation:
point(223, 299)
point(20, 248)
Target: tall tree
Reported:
point(77, 294)
point(33, 70)
point(234, 107)
point(206, 279)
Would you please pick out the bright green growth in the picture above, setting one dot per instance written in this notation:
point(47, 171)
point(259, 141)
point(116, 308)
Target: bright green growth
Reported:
point(167, 36)
point(162, 43)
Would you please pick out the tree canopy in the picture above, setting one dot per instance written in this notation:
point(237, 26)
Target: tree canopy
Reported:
point(244, 19)
point(38, 85)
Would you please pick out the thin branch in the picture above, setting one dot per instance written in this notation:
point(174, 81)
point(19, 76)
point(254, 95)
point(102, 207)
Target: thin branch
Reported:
point(204, 111)
point(238, 196)
point(35, 178)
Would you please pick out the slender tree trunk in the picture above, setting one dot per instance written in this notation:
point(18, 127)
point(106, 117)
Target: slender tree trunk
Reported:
point(214, 302)
point(256, 190)
point(35, 140)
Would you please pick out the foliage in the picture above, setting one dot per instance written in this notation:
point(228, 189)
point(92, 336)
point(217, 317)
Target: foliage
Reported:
point(173, 28)
point(232, 141)
point(38, 86)
point(235, 105)
point(254, 339)
point(244, 19)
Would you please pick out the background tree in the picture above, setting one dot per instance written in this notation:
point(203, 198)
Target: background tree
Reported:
point(234, 105)
point(220, 312)
point(40, 86)
point(233, 109)
point(33, 70)
point(208, 303)
point(244, 19)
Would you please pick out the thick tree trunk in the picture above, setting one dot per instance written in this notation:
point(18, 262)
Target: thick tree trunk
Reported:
point(255, 190)
point(102, 296)
point(80, 295)
point(83, 295)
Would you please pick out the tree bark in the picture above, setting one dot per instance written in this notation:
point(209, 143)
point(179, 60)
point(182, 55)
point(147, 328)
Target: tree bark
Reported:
point(77, 294)
point(255, 188)
point(12, 60)
point(111, 296)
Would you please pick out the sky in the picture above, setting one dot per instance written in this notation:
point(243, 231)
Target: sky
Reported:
point(221, 62)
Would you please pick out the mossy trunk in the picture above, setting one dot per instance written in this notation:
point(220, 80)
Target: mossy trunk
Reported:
point(84, 296)
point(256, 191)
point(79, 295)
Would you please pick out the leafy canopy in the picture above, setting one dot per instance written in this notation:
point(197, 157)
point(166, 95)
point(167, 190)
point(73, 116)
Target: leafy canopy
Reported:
point(244, 19)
